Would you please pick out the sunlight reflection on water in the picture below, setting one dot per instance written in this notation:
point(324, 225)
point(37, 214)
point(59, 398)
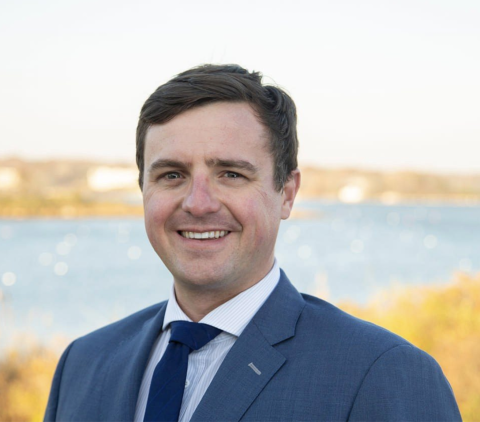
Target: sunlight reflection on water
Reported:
point(80, 274)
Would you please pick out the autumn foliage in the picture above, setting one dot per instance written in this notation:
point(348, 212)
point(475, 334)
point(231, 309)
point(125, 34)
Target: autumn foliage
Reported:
point(444, 321)
point(25, 378)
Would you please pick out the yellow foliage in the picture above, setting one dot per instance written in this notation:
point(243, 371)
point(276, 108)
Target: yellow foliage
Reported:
point(25, 379)
point(443, 321)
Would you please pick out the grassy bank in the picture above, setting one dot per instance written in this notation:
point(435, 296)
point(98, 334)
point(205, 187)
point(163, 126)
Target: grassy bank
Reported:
point(63, 207)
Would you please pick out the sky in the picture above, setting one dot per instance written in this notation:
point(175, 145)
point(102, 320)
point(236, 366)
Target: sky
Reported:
point(379, 84)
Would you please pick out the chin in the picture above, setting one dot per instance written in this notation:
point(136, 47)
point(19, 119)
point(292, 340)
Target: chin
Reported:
point(211, 277)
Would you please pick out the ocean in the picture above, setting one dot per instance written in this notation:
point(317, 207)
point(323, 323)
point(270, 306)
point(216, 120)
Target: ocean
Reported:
point(63, 278)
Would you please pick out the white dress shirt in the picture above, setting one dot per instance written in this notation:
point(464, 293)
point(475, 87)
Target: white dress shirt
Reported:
point(232, 317)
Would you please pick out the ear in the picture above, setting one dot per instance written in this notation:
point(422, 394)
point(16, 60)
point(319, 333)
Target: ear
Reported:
point(290, 192)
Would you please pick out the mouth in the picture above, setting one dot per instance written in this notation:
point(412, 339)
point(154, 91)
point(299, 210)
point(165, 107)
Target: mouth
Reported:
point(215, 234)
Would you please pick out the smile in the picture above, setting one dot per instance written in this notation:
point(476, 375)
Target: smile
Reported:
point(204, 235)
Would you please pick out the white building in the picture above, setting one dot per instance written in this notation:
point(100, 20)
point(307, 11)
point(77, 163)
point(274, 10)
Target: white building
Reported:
point(104, 178)
point(9, 178)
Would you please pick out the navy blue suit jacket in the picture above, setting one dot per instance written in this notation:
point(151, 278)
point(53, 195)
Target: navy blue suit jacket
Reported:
point(316, 363)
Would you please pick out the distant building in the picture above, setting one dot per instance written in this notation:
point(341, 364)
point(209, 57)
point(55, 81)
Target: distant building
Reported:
point(9, 178)
point(104, 178)
point(351, 194)
point(354, 191)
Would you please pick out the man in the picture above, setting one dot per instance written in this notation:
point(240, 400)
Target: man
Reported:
point(217, 154)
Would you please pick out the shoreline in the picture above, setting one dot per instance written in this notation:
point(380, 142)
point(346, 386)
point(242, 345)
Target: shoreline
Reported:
point(70, 211)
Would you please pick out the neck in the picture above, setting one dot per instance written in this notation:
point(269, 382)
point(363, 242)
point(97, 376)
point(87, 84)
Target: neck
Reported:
point(197, 305)
point(198, 301)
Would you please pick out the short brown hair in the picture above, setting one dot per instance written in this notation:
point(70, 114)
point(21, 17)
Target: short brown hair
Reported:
point(213, 83)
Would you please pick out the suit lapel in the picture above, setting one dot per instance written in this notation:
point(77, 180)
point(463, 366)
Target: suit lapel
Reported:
point(252, 361)
point(237, 384)
point(122, 382)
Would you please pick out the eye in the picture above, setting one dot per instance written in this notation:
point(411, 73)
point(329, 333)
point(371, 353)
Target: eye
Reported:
point(169, 177)
point(232, 175)
point(172, 176)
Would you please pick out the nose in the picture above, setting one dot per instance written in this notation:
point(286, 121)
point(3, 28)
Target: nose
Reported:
point(201, 198)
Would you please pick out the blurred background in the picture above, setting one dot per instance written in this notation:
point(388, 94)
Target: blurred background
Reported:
point(387, 224)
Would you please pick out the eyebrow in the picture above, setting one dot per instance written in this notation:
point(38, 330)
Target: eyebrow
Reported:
point(213, 162)
point(166, 163)
point(236, 164)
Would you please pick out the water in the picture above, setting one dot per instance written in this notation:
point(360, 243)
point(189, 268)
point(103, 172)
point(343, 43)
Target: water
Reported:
point(69, 277)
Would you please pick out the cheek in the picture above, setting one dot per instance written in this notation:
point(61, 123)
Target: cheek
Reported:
point(155, 215)
point(260, 217)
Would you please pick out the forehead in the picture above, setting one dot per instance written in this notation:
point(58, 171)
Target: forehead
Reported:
point(212, 130)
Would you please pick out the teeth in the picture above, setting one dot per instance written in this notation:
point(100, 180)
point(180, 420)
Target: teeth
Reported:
point(204, 235)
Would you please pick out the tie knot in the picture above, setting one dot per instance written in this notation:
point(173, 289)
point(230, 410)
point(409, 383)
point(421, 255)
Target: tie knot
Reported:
point(194, 335)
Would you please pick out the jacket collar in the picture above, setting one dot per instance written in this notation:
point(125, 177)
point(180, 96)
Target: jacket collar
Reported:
point(252, 361)
point(125, 372)
point(246, 370)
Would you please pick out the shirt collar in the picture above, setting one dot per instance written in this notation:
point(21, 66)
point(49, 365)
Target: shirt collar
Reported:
point(234, 315)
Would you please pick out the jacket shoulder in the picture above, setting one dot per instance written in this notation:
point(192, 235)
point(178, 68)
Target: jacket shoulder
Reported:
point(384, 376)
point(123, 328)
point(342, 330)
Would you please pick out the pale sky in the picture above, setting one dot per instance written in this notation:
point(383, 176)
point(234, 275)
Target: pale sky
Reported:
point(378, 84)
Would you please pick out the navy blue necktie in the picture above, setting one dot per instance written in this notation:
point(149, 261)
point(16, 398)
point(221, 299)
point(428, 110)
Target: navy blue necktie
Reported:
point(168, 381)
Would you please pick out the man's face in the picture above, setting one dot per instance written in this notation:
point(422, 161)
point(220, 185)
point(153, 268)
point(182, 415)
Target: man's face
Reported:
point(211, 209)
